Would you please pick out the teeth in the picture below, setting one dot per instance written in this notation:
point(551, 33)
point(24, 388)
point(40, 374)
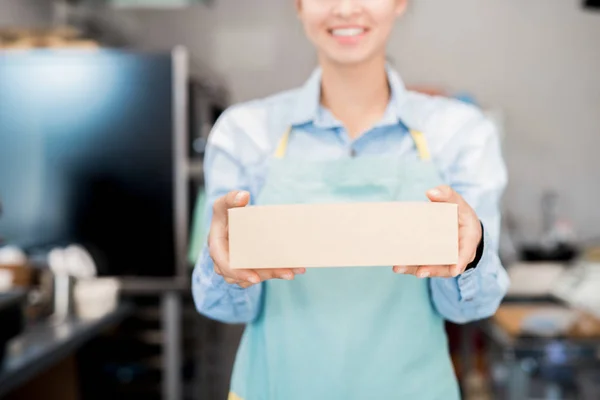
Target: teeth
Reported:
point(348, 32)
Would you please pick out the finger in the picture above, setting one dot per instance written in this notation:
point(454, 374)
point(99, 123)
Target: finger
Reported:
point(245, 285)
point(233, 281)
point(219, 255)
point(240, 276)
point(444, 194)
point(237, 198)
point(280, 273)
point(218, 250)
point(435, 271)
point(299, 271)
point(229, 280)
point(244, 275)
point(220, 217)
point(405, 270)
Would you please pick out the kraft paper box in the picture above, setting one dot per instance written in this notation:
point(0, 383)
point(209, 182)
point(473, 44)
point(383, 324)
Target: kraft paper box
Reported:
point(343, 235)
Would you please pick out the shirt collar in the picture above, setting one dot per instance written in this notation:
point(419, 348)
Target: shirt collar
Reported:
point(307, 107)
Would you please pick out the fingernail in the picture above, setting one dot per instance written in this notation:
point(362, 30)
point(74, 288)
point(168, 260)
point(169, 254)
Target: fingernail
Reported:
point(238, 197)
point(287, 277)
point(253, 279)
point(400, 270)
point(299, 271)
point(435, 192)
point(424, 274)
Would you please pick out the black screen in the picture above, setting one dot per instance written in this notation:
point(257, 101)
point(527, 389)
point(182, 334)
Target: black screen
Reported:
point(592, 3)
point(86, 156)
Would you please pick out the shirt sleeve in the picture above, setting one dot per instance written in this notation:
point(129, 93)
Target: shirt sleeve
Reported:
point(214, 297)
point(479, 175)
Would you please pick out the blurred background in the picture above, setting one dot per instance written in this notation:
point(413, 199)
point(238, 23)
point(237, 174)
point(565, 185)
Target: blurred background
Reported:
point(105, 107)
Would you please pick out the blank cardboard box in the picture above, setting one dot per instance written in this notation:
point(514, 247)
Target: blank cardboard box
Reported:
point(343, 235)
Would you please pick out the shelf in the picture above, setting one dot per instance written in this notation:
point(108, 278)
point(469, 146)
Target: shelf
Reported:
point(153, 313)
point(156, 4)
point(153, 286)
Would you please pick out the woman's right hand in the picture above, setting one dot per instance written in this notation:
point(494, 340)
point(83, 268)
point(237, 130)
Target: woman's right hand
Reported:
point(218, 245)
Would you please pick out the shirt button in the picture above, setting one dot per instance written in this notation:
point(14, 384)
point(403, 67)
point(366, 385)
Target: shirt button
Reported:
point(352, 153)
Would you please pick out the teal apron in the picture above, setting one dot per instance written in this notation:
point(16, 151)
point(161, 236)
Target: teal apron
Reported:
point(348, 333)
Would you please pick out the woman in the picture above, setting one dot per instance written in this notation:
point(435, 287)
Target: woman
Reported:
point(352, 133)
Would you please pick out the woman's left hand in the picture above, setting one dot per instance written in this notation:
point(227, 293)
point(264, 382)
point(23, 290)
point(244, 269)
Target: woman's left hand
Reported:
point(469, 237)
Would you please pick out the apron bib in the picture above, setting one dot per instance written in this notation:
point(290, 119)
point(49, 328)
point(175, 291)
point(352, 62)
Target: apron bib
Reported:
point(346, 333)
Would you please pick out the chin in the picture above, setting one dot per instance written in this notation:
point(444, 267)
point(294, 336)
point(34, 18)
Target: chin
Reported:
point(349, 59)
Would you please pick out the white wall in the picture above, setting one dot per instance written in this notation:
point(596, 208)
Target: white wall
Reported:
point(539, 60)
point(25, 12)
point(258, 45)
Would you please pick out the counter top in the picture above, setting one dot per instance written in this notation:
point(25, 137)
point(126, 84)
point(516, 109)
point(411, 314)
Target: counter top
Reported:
point(45, 343)
point(7, 299)
point(580, 346)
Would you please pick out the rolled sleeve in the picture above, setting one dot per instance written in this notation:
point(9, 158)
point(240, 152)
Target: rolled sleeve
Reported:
point(474, 295)
point(219, 300)
point(224, 172)
point(479, 175)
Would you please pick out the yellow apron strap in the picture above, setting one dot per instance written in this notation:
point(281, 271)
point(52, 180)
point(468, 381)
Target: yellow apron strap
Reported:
point(283, 143)
point(418, 138)
point(421, 144)
point(233, 396)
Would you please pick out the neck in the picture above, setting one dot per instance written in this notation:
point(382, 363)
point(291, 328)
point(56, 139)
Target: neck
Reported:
point(357, 95)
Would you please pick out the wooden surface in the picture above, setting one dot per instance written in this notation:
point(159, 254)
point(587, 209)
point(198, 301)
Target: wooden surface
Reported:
point(22, 274)
point(593, 254)
point(510, 317)
point(24, 39)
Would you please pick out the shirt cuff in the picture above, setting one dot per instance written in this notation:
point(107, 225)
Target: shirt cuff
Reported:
point(479, 253)
point(220, 300)
point(209, 278)
point(469, 282)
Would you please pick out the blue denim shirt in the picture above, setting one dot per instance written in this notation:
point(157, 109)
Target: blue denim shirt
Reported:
point(463, 143)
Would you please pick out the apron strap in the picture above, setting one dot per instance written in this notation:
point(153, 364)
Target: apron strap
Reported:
point(418, 138)
point(283, 143)
point(421, 145)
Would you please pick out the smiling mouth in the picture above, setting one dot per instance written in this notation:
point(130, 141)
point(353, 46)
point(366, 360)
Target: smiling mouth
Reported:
point(348, 32)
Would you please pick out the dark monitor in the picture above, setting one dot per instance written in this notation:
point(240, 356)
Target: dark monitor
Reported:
point(592, 4)
point(87, 155)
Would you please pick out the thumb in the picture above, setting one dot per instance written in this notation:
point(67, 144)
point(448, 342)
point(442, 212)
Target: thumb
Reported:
point(443, 194)
point(231, 200)
point(237, 199)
